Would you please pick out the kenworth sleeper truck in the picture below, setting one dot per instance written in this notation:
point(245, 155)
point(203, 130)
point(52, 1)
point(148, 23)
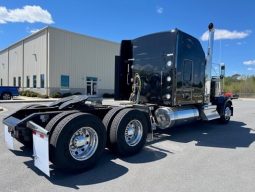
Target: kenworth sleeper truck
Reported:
point(165, 76)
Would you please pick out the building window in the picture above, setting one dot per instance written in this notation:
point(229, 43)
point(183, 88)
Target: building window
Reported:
point(34, 81)
point(42, 80)
point(28, 81)
point(1, 82)
point(64, 82)
point(19, 81)
point(14, 81)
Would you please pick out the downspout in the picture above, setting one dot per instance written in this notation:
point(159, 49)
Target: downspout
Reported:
point(23, 66)
point(8, 68)
point(208, 67)
point(47, 62)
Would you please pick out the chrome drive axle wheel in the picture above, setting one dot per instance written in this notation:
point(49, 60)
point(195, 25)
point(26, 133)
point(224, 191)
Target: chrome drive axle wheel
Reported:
point(128, 132)
point(77, 142)
point(83, 143)
point(133, 132)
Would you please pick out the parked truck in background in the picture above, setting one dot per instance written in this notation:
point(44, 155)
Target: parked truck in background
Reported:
point(166, 77)
point(7, 92)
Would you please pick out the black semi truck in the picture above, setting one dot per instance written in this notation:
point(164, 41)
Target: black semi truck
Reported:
point(165, 76)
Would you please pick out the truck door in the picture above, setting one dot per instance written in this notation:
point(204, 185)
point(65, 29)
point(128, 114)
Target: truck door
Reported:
point(185, 65)
point(184, 87)
point(187, 79)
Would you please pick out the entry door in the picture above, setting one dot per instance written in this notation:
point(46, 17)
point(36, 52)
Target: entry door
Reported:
point(91, 86)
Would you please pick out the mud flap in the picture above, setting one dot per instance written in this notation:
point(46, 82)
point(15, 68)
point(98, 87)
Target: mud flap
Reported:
point(8, 138)
point(41, 152)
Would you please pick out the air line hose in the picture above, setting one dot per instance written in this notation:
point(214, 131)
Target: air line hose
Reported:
point(136, 89)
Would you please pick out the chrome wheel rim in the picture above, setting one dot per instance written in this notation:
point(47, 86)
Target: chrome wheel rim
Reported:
point(227, 113)
point(6, 96)
point(83, 144)
point(133, 132)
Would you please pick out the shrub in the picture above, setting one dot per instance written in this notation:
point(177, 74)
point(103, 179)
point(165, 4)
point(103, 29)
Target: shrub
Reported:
point(43, 96)
point(33, 94)
point(77, 93)
point(67, 94)
point(108, 95)
point(28, 93)
point(56, 95)
point(24, 93)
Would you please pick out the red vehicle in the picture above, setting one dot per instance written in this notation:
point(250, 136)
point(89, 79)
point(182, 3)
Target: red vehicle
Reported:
point(231, 95)
point(228, 94)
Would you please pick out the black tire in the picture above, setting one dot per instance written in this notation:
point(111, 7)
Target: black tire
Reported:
point(55, 120)
point(53, 123)
point(224, 119)
point(62, 134)
point(119, 127)
point(6, 96)
point(107, 121)
point(108, 118)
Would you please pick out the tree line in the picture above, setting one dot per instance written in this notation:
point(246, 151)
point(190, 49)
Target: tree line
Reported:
point(242, 85)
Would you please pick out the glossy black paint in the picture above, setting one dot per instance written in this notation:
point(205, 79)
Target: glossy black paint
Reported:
point(123, 71)
point(171, 66)
point(221, 102)
point(151, 54)
point(189, 90)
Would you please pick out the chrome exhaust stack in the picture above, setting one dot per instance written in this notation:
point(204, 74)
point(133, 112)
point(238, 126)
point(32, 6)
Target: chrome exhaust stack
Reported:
point(208, 67)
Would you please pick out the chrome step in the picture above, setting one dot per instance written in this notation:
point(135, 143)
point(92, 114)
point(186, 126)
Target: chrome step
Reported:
point(209, 112)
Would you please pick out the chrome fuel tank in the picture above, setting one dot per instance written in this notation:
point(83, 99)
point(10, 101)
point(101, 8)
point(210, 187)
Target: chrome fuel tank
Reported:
point(167, 117)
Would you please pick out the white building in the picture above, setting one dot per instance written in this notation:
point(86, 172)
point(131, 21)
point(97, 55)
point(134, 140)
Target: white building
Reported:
point(54, 60)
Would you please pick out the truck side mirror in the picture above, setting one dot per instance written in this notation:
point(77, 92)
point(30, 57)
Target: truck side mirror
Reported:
point(222, 71)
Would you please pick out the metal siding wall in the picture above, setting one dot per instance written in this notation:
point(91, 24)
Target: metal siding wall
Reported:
point(79, 56)
point(35, 65)
point(4, 67)
point(15, 63)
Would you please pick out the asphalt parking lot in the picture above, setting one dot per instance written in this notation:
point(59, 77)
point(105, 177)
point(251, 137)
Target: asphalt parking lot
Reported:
point(196, 157)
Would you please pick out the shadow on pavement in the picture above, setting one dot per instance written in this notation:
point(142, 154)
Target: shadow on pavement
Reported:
point(24, 151)
point(104, 171)
point(146, 155)
point(231, 135)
